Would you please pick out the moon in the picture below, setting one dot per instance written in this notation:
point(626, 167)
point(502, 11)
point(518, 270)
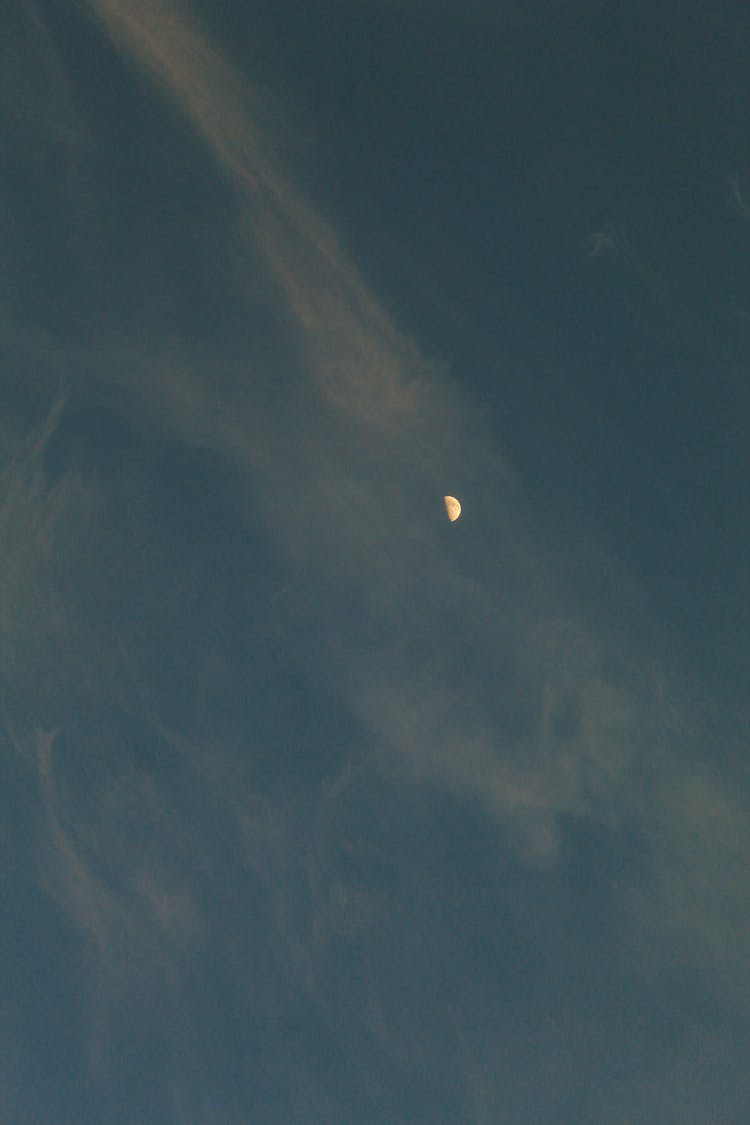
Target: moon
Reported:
point(452, 507)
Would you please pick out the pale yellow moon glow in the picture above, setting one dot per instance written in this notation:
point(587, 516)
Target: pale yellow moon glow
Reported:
point(452, 507)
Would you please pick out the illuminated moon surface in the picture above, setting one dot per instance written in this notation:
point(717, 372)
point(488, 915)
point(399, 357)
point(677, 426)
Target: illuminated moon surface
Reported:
point(452, 507)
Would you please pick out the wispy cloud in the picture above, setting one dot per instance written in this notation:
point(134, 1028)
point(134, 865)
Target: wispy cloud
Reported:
point(458, 663)
point(511, 702)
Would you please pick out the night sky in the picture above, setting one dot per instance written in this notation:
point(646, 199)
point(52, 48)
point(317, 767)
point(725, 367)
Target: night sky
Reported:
point(316, 807)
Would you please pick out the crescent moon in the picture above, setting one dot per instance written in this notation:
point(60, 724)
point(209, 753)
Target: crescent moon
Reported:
point(452, 507)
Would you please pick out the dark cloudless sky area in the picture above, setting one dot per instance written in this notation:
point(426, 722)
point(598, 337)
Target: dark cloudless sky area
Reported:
point(317, 807)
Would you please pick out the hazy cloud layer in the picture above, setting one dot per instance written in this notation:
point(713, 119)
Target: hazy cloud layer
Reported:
point(337, 811)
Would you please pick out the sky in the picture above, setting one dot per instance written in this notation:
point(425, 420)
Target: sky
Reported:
point(317, 807)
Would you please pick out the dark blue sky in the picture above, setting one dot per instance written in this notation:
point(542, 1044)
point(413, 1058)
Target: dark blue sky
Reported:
point(317, 807)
